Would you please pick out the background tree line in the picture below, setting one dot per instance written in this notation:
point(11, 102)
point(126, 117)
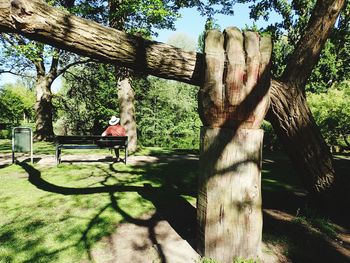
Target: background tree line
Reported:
point(166, 110)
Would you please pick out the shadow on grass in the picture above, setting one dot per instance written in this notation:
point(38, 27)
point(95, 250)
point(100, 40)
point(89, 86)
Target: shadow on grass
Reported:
point(168, 202)
point(4, 165)
point(178, 178)
point(303, 243)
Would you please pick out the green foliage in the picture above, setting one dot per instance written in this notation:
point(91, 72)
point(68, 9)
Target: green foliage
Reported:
point(87, 101)
point(331, 111)
point(236, 260)
point(270, 138)
point(281, 51)
point(207, 260)
point(334, 62)
point(16, 103)
point(326, 71)
point(167, 113)
point(16, 107)
point(142, 16)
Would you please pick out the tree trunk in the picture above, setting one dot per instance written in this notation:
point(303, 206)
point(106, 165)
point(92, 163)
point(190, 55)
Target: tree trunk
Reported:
point(289, 113)
point(229, 197)
point(126, 94)
point(292, 121)
point(38, 21)
point(43, 110)
point(126, 98)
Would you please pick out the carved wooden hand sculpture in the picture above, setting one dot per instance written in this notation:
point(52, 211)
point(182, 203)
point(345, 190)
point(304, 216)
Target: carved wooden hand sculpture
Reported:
point(237, 79)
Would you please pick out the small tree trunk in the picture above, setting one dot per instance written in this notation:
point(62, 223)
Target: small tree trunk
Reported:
point(43, 110)
point(126, 98)
point(233, 102)
point(126, 94)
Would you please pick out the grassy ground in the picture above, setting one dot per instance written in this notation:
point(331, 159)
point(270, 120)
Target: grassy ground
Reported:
point(59, 214)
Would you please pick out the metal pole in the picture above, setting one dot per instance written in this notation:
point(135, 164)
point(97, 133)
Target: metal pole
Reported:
point(13, 145)
point(31, 145)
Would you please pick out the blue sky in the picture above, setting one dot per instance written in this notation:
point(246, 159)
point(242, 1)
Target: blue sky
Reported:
point(192, 24)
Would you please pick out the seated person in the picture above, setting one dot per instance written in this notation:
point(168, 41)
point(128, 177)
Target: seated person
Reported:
point(115, 129)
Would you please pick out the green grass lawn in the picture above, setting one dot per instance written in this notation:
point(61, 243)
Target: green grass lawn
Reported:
point(60, 213)
point(57, 223)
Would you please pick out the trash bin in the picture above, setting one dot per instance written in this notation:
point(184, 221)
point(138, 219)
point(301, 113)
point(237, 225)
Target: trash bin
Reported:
point(22, 141)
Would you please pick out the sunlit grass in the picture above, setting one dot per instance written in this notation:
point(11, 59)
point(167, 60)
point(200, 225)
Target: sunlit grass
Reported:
point(60, 213)
point(41, 226)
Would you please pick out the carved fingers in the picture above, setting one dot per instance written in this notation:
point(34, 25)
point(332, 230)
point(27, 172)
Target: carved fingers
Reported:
point(237, 78)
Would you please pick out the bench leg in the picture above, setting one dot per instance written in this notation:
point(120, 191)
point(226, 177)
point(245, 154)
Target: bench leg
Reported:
point(58, 155)
point(116, 152)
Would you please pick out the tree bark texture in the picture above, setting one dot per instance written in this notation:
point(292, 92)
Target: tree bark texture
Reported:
point(126, 98)
point(229, 198)
point(233, 102)
point(292, 121)
point(43, 109)
point(37, 21)
point(289, 113)
point(126, 94)
point(308, 50)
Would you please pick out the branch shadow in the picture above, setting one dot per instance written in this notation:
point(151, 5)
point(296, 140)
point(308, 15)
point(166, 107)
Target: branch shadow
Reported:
point(172, 206)
point(304, 244)
point(168, 202)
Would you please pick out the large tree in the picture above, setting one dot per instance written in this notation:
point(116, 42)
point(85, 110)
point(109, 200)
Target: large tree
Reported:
point(23, 57)
point(289, 112)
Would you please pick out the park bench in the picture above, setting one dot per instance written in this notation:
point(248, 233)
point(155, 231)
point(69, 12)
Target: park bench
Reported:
point(91, 142)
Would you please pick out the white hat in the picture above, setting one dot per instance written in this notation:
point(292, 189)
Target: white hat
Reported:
point(114, 120)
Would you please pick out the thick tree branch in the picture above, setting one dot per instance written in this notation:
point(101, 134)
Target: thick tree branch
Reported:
point(289, 113)
point(38, 21)
point(308, 50)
